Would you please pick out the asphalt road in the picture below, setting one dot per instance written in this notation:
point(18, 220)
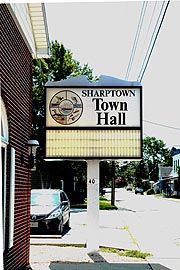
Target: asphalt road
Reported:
point(154, 222)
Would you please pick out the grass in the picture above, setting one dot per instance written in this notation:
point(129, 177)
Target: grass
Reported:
point(79, 205)
point(104, 204)
point(126, 228)
point(121, 252)
point(127, 253)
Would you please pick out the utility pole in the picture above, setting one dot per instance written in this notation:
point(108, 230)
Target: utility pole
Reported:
point(113, 183)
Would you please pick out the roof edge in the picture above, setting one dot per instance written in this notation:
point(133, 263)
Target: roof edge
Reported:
point(104, 80)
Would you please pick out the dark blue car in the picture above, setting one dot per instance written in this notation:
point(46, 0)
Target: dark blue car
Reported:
point(50, 209)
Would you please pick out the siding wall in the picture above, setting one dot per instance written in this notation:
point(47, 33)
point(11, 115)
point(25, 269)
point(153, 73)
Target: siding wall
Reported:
point(16, 90)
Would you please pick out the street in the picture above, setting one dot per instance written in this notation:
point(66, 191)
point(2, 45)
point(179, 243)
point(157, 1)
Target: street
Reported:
point(153, 222)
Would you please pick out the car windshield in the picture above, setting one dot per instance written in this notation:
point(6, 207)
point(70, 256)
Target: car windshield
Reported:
point(44, 199)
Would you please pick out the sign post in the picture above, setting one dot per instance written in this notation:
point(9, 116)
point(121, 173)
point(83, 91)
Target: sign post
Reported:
point(94, 121)
point(93, 205)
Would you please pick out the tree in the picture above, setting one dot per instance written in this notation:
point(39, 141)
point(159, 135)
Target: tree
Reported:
point(61, 63)
point(86, 70)
point(40, 77)
point(105, 174)
point(128, 171)
point(155, 153)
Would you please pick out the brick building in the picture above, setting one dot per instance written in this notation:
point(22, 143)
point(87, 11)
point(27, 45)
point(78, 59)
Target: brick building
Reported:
point(23, 35)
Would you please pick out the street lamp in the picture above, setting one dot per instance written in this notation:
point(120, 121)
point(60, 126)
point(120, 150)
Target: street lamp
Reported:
point(32, 145)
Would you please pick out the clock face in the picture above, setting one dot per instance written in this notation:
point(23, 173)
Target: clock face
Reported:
point(66, 107)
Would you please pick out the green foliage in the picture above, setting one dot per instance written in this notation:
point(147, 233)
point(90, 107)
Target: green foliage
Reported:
point(128, 171)
point(155, 153)
point(105, 174)
point(85, 70)
point(141, 171)
point(104, 204)
point(61, 64)
point(137, 254)
point(150, 191)
point(127, 252)
point(40, 77)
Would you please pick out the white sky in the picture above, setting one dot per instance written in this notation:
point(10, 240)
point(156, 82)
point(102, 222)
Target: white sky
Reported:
point(102, 35)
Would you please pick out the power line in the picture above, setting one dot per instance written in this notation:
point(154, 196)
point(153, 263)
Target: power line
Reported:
point(157, 124)
point(152, 42)
point(146, 36)
point(138, 31)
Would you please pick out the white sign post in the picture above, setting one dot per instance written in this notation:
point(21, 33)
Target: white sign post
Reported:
point(93, 205)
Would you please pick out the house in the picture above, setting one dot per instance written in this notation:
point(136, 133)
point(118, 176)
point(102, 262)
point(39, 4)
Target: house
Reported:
point(24, 35)
point(169, 182)
point(164, 185)
point(175, 152)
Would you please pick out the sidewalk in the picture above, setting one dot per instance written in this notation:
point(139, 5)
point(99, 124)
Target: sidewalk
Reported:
point(73, 258)
point(56, 253)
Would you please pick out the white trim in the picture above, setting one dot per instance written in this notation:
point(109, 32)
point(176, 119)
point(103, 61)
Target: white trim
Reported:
point(12, 199)
point(23, 16)
point(20, 15)
point(2, 218)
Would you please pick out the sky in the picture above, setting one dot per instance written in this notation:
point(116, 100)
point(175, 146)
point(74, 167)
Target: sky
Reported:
point(102, 34)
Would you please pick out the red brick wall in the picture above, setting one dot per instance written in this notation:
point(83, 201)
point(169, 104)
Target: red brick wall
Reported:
point(16, 90)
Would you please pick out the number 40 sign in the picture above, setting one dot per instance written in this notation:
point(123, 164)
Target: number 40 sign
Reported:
point(92, 181)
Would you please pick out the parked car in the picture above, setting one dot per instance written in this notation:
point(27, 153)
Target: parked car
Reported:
point(139, 190)
point(129, 188)
point(50, 209)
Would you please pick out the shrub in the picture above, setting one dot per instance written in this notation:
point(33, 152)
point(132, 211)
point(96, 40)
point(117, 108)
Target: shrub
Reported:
point(150, 191)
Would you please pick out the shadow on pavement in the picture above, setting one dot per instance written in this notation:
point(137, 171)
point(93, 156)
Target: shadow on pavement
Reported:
point(100, 263)
point(104, 266)
point(126, 209)
point(96, 257)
